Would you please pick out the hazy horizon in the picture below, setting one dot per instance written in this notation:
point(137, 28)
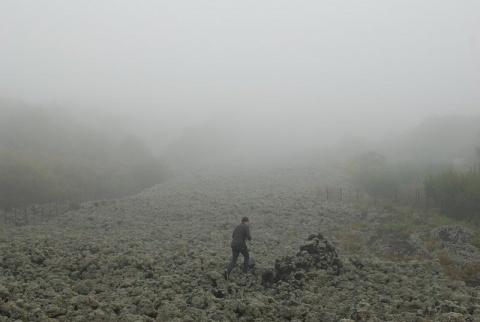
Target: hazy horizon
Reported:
point(298, 73)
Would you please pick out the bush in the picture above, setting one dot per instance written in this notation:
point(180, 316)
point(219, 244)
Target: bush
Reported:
point(23, 181)
point(456, 194)
point(370, 172)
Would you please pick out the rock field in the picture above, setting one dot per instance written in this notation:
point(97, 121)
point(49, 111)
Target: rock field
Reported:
point(160, 256)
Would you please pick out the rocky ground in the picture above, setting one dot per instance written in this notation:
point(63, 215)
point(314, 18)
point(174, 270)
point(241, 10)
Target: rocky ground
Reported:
point(160, 256)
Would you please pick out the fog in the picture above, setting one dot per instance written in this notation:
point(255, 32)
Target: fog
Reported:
point(280, 75)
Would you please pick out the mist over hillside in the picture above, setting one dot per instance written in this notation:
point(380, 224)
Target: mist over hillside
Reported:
point(280, 75)
point(47, 153)
point(448, 140)
point(444, 140)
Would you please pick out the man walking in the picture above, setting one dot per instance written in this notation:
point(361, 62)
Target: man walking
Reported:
point(240, 234)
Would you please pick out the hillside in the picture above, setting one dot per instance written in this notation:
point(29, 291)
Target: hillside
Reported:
point(160, 255)
point(49, 153)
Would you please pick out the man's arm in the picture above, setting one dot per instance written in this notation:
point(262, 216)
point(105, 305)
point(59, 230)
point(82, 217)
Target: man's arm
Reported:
point(247, 230)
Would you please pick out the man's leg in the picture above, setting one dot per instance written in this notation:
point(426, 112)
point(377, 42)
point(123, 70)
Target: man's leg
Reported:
point(246, 259)
point(235, 252)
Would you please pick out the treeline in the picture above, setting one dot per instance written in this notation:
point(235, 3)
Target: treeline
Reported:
point(377, 177)
point(455, 193)
point(47, 154)
point(441, 158)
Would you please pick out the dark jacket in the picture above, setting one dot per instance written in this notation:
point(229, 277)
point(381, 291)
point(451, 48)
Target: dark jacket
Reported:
point(240, 234)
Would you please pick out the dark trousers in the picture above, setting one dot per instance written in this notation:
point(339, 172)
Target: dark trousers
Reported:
point(237, 249)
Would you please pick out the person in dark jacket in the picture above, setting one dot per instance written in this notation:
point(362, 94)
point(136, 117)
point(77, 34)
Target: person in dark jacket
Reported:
point(240, 234)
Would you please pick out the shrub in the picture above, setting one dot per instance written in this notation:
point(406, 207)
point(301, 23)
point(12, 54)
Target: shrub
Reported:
point(370, 171)
point(476, 242)
point(456, 194)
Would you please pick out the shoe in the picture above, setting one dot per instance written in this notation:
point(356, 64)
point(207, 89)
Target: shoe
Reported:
point(226, 274)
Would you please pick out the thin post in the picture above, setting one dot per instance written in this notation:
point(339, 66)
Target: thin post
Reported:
point(34, 213)
point(427, 197)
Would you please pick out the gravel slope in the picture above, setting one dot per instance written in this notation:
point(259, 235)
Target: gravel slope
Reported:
point(159, 256)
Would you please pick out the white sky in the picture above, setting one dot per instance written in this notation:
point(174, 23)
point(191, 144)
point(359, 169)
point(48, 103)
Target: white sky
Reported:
point(308, 67)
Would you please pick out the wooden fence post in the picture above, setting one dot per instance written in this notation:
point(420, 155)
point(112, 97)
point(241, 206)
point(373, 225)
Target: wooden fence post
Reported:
point(34, 213)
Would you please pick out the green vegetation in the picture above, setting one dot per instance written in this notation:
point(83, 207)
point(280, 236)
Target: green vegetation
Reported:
point(466, 273)
point(370, 171)
point(23, 181)
point(476, 242)
point(456, 194)
point(431, 187)
point(396, 226)
point(393, 184)
point(417, 155)
point(47, 155)
point(395, 230)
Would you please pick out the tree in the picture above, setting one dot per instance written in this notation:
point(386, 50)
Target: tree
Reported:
point(22, 181)
point(370, 171)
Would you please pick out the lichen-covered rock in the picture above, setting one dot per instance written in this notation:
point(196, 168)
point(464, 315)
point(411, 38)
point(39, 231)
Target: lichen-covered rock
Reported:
point(316, 253)
point(453, 234)
point(160, 255)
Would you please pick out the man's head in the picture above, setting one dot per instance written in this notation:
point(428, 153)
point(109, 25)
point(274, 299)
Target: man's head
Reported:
point(245, 220)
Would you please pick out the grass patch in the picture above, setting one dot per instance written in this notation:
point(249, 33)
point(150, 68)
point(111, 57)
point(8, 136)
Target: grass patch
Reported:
point(468, 273)
point(445, 260)
point(395, 226)
point(431, 243)
point(476, 242)
point(440, 220)
point(362, 225)
point(465, 272)
point(397, 258)
point(351, 241)
point(401, 222)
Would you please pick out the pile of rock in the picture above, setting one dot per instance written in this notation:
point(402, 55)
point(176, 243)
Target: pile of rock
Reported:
point(317, 253)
